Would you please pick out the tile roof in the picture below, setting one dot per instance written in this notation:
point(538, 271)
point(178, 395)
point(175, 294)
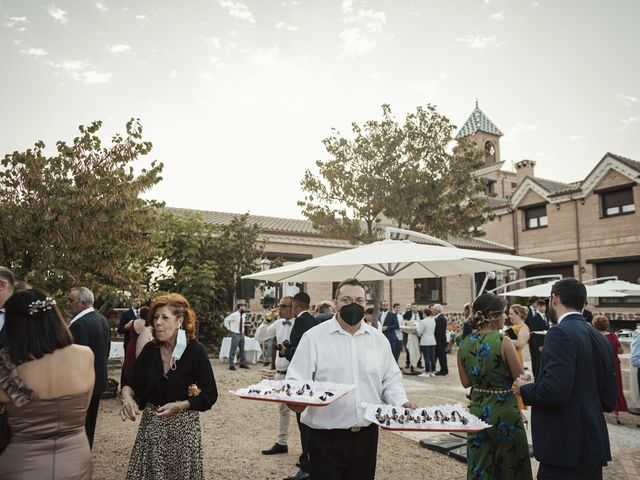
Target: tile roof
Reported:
point(497, 202)
point(478, 121)
point(271, 224)
point(627, 161)
point(552, 186)
point(287, 228)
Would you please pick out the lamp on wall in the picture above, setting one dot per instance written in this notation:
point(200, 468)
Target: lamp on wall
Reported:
point(513, 274)
point(499, 275)
point(264, 264)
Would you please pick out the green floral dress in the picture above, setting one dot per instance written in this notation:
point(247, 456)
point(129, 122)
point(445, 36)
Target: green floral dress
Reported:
point(500, 452)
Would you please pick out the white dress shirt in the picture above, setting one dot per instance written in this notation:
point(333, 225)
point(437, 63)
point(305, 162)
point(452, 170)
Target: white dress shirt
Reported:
point(426, 330)
point(1, 318)
point(383, 315)
point(400, 323)
point(81, 314)
point(327, 353)
point(232, 322)
point(572, 312)
point(281, 332)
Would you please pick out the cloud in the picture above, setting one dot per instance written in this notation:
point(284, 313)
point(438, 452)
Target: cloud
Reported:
point(120, 48)
point(627, 100)
point(141, 17)
point(174, 73)
point(215, 41)
point(11, 22)
point(82, 71)
point(575, 138)
point(269, 63)
point(363, 26)
point(480, 42)
point(36, 52)
point(58, 14)
point(284, 26)
point(626, 122)
point(498, 17)
point(534, 4)
point(101, 6)
point(521, 128)
point(92, 76)
point(238, 10)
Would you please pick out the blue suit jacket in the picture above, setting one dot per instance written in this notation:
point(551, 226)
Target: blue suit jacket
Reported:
point(392, 324)
point(575, 384)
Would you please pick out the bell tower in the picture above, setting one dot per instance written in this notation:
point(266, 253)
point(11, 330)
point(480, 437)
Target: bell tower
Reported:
point(484, 133)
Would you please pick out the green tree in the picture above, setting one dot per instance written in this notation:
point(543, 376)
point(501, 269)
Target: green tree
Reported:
point(402, 173)
point(203, 261)
point(76, 218)
point(405, 173)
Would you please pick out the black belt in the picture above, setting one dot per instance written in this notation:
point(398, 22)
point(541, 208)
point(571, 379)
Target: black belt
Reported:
point(347, 430)
point(281, 372)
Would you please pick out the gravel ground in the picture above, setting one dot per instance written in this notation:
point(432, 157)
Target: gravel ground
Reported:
point(235, 430)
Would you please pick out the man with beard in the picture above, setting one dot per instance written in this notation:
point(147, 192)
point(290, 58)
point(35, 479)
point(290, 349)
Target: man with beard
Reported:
point(576, 383)
point(342, 444)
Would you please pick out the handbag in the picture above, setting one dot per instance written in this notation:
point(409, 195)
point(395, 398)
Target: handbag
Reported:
point(5, 432)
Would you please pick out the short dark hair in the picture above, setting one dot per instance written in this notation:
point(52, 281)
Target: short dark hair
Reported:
point(325, 307)
point(541, 301)
point(369, 311)
point(350, 281)
point(571, 292)
point(302, 299)
point(533, 299)
point(144, 315)
point(8, 275)
point(396, 305)
point(33, 334)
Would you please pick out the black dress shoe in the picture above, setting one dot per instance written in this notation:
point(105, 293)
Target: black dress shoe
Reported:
point(441, 373)
point(277, 448)
point(300, 475)
point(244, 366)
point(231, 367)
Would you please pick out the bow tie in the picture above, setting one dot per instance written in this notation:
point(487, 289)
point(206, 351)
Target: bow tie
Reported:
point(286, 322)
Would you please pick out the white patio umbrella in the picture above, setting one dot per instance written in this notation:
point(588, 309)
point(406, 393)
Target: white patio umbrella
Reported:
point(544, 290)
point(388, 259)
point(622, 286)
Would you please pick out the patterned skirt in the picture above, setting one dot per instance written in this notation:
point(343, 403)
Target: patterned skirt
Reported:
point(167, 448)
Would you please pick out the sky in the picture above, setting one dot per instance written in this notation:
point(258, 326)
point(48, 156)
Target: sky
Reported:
point(236, 96)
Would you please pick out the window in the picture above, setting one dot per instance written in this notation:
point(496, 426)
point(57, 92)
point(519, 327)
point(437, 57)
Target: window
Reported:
point(427, 290)
point(624, 270)
point(617, 202)
point(535, 217)
point(489, 187)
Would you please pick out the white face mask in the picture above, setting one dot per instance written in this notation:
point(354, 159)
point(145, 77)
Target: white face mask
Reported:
point(181, 345)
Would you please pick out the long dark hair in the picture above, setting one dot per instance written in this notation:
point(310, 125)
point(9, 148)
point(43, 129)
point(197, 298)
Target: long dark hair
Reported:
point(34, 325)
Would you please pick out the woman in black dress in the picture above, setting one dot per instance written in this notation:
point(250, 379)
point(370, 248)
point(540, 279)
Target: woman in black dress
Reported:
point(171, 382)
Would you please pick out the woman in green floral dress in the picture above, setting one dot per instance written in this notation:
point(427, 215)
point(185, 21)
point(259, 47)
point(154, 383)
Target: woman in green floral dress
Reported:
point(488, 362)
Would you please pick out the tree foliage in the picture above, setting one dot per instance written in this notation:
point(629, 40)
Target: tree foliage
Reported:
point(405, 173)
point(77, 218)
point(202, 262)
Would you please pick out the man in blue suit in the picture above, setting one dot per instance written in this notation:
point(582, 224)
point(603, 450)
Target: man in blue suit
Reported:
point(390, 324)
point(576, 383)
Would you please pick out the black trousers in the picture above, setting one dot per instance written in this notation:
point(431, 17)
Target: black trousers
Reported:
point(343, 454)
point(581, 472)
point(90, 421)
point(407, 358)
point(305, 433)
point(441, 353)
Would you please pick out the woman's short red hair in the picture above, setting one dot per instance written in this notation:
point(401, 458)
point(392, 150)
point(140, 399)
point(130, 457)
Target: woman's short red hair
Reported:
point(180, 307)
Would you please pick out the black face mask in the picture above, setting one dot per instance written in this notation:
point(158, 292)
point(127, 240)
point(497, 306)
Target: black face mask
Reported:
point(352, 313)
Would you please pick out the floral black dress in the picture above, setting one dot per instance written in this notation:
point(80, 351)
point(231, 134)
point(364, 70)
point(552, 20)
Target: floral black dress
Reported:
point(499, 452)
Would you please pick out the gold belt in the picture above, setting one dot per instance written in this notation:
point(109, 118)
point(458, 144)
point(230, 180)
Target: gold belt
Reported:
point(491, 390)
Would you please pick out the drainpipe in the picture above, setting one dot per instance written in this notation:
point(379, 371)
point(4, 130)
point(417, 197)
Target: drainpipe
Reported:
point(575, 203)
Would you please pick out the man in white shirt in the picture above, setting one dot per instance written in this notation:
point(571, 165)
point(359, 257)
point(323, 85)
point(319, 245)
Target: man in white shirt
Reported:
point(235, 324)
point(345, 349)
point(280, 329)
point(7, 281)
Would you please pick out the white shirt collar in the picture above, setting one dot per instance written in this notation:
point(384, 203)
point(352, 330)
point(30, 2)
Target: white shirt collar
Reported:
point(81, 314)
point(335, 326)
point(572, 312)
point(304, 311)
